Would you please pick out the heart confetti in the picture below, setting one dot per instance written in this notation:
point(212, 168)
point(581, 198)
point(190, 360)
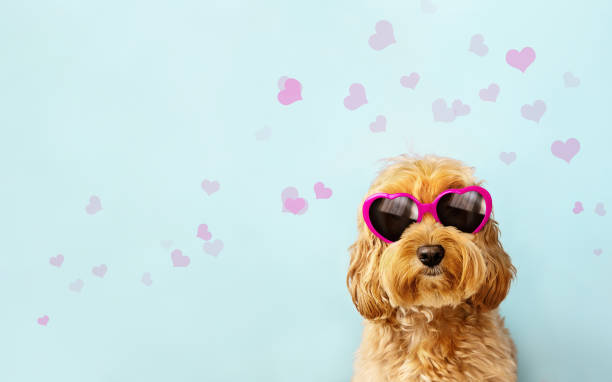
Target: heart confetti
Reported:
point(321, 191)
point(291, 93)
point(565, 150)
point(383, 36)
point(56, 261)
point(356, 97)
point(213, 248)
point(507, 158)
point(577, 208)
point(379, 125)
point(178, 260)
point(100, 270)
point(43, 320)
point(520, 60)
point(94, 206)
point(210, 187)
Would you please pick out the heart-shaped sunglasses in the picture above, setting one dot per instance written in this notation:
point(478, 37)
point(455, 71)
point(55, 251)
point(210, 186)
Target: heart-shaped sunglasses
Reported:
point(388, 215)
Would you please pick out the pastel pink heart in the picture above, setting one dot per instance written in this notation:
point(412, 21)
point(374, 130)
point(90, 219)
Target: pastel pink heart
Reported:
point(100, 270)
point(379, 125)
point(383, 36)
point(322, 192)
point(356, 97)
point(489, 94)
point(570, 80)
point(460, 108)
point(210, 187)
point(146, 279)
point(600, 209)
point(521, 60)
point(94, 206)
point(203, 232)
point(213, 248)
point(288, 192)
point(263, 133)
point(56, 261)
point(291, 93)
point(534, 112)
point(410, 81)
point(477, 45)
point(178, 260)
point(43, 320)
point(565, 150)
point(597, 251)
point(76, 286)
point(507, 158)
point(428, 7)
point(577, 208)
point(295, 205)
point(441, 112)
point(281, 82)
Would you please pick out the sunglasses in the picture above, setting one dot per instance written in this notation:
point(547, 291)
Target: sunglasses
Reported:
point(388, 215)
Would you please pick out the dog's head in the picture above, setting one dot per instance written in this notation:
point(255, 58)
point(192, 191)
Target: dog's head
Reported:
point(384, 276)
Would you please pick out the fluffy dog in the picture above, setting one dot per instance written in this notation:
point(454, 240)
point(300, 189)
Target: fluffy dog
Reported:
point(423, 328)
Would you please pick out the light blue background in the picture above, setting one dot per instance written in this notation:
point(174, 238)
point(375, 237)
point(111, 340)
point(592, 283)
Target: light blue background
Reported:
point(139, 101)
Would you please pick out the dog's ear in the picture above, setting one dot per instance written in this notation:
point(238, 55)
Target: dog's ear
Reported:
point(500, 270)
point(363, 278)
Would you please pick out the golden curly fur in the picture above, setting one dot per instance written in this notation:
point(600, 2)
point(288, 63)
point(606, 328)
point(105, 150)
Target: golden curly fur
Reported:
point(422, 328)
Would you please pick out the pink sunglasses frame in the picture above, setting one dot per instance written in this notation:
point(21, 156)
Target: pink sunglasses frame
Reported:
point(425, 208)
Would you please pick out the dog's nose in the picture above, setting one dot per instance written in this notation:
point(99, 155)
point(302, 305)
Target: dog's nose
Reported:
point(430, 255)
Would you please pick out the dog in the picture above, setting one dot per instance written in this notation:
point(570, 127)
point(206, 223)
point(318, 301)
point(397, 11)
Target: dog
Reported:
point(427, 286)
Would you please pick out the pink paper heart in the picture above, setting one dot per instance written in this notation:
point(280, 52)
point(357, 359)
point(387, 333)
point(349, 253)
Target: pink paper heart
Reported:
point(295, 205)
point(203, 232)
point(428, 7)
point(43, 320)
point(281, 82)
point(565, 150)
point(478, 46)
point(507, 158)
point(599, 209)
point(489, 94)
point(322, 192)
point(570, 80)
point(383, 36)
point(460, 108)
point(521, 60)
point(441, 112)
point(178, 260)
point(210, 187)
point(146, 279)
point(410, 81)
point(291, 93)
point(289, 192)
point(356, 97)
point(94, 206)
point(76, 286)
point(597, 251)
point(213, 248)
point(534, 112)
point(56, 261)
point(100, 270)
point(263, 133)
point(379, 125)
point(577, 208)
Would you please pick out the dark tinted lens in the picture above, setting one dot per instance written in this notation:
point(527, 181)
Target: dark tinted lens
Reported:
point(390, 217)
point(465, 211)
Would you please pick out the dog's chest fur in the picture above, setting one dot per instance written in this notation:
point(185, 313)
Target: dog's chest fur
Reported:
point(448, 344)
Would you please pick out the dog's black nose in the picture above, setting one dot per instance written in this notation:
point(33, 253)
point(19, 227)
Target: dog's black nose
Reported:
point(430, 255)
